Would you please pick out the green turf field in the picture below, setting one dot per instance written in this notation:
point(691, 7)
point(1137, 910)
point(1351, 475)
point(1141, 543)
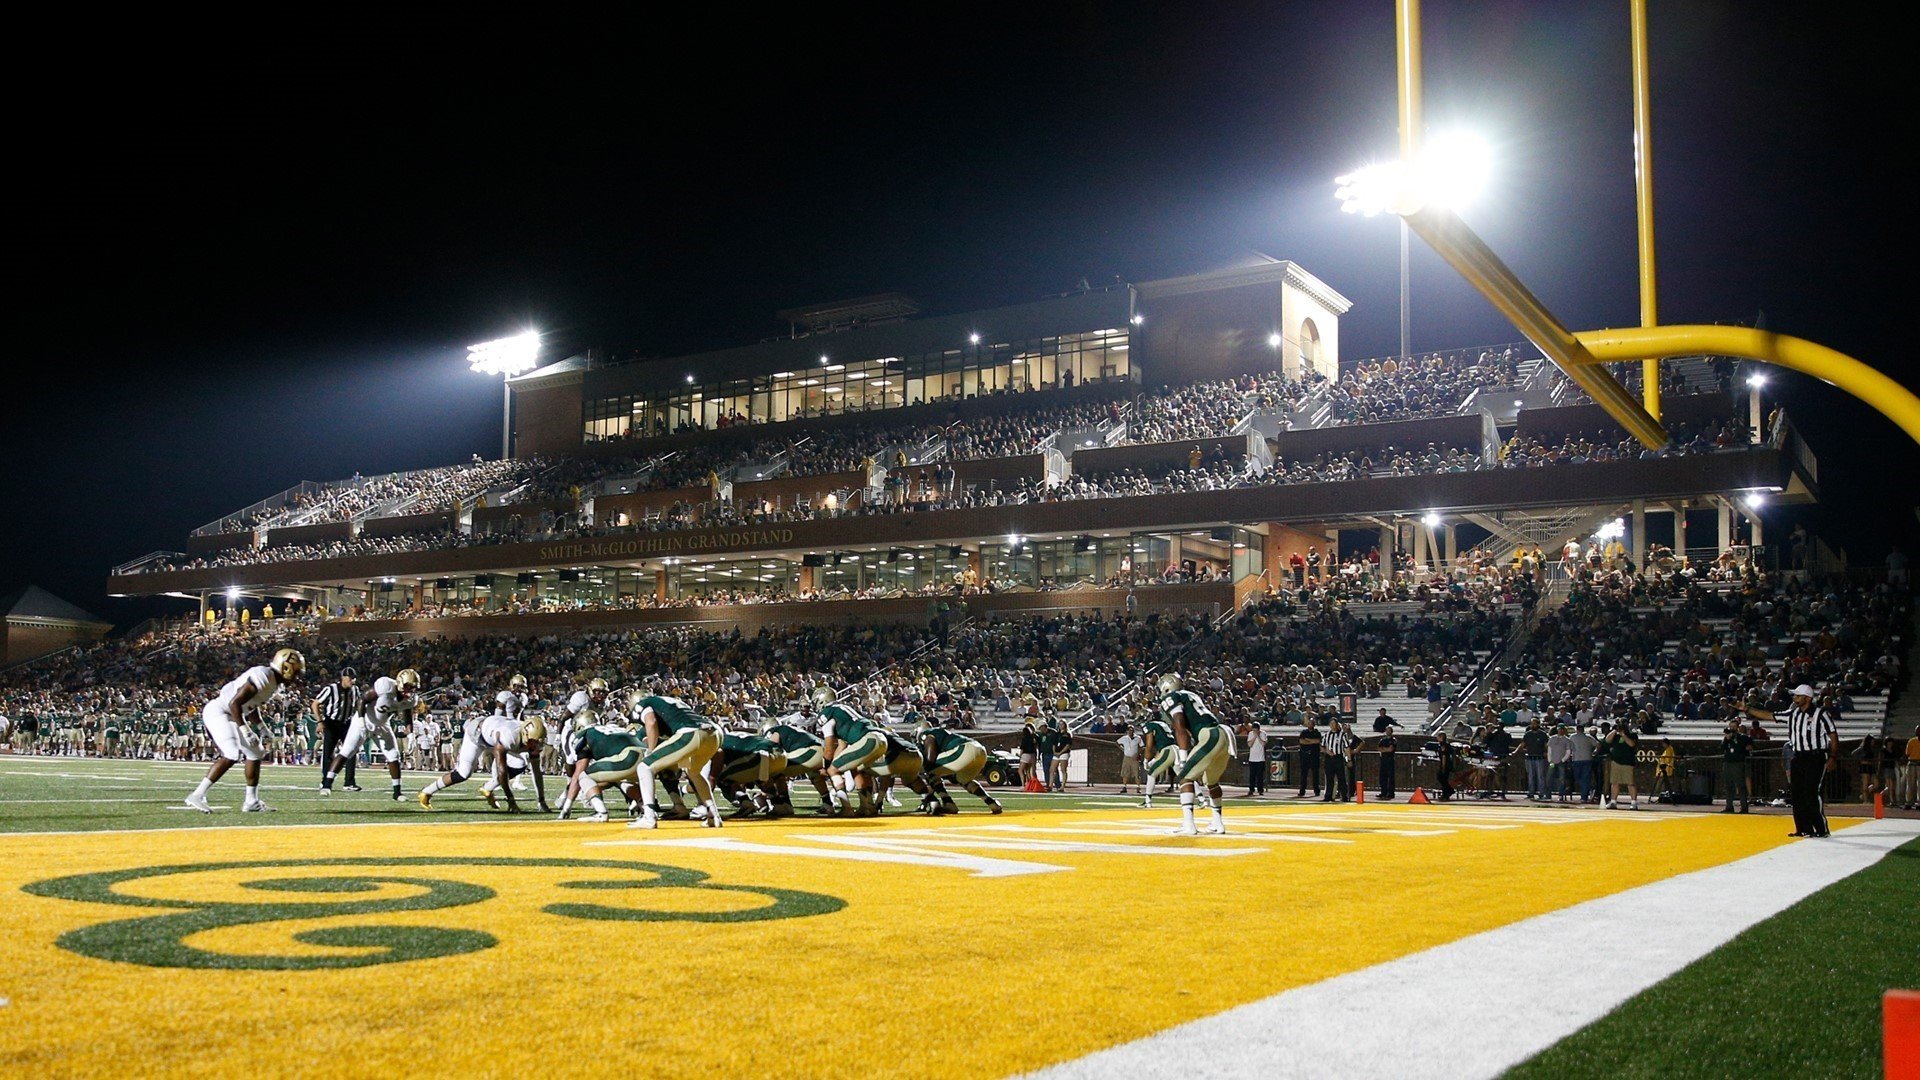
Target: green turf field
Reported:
point(1797, 995)
point(42, 794)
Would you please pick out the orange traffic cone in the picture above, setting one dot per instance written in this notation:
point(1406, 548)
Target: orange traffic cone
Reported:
point(1879, 805)
point(1418, 798)
point(1033, 784)
point(1902, 1018)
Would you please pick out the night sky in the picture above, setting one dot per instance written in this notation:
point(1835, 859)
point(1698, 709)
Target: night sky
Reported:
point(250, 261)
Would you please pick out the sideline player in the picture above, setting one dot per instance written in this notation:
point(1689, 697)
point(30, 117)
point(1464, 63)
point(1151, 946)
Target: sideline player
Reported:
point(516, 748)
point(1207, 745)
point(385, 711)
point(950, 755)
point(676, 737)
point(227, 719)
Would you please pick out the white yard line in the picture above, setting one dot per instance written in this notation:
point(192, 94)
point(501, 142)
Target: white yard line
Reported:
point(1303, 1033)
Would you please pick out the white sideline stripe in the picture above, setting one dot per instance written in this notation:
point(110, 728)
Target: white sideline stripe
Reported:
point(1499, 972)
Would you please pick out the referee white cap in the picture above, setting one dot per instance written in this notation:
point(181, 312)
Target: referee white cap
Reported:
point(1803, 690)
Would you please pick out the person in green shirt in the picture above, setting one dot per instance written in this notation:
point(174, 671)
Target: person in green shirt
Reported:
point(1160, 751)
point(603, 757)
point(676, 737)
point(744, 769)
point(1208, 747)
point(804, 759)
point(1622, 748)
point(950, 756)
point(1736, 746)
point(850, 744)
point(902, 764)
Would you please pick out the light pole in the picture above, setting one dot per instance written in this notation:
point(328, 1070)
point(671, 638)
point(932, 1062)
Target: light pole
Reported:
point(506, 357)
point(1451, 170)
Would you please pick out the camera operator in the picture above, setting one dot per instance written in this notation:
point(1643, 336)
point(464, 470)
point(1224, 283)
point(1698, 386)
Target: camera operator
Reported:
point(1735, 779)
point(1622, 748)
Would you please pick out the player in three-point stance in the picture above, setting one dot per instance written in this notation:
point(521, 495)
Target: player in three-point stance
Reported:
point(1208, 747)
point(385, 711)
point(515, 745)
point(956, 757)
point(602, 758)
point(229, 717)
point(747, 770)
point(801, 749)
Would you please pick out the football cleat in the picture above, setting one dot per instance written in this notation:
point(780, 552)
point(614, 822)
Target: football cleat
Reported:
point(255, 806)
point(677, 813)
point(594, 817)
point(399, 796)
point(199, 802)
point(994, 805)
point(1215, 830)
point(1186, 830)
point(491, 799)
point(426, 801)
point(712, 820)
point(352, 787)
point(326, 792)
point(647, 820)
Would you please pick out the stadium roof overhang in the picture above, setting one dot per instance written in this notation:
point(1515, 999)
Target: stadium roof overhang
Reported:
point(1655, 480)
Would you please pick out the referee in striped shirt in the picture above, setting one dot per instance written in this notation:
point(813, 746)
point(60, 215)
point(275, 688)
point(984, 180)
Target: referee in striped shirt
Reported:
point(1814, 738)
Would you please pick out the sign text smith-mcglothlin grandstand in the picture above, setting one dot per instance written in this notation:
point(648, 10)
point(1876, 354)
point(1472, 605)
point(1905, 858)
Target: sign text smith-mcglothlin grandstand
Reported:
point(668, 544)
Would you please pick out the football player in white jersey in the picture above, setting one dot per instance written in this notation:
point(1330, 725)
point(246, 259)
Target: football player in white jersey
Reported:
point(512, 702)
point(385, 711)
point(516, 748)
point(229, 717)
point(583, 710)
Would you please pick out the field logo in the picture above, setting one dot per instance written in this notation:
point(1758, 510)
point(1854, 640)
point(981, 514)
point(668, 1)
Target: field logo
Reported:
point(161, 940)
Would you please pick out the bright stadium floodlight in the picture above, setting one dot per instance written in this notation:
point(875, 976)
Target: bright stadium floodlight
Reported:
point(506, 357)
point(1756, 500)
point(1432, 520)
point(1451, 171)
point(973, 338)
point(1273, 341)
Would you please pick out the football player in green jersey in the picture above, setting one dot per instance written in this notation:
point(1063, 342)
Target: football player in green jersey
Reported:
point(744, 771)
point(676, 736)
point(956, 757)
point(603, 758)
point(903, 764)
point(1207, 745)
point(1160, 751)
point(804, 758)
point(850, 744)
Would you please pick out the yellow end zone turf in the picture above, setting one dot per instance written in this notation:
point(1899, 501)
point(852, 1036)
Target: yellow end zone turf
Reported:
point(793, 948)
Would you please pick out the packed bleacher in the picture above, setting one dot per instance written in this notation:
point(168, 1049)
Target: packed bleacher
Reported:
point(1287, 652)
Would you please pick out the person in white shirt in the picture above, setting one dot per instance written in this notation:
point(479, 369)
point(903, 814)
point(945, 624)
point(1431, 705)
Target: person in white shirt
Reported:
point(229, 720)
point(1559, 756)
point(1129, 743)
point(516, 747)
point(1256, 743)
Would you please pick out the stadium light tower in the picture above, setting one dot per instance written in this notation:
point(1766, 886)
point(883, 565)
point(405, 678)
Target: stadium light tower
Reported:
point(506, 357)
point(1451, 170)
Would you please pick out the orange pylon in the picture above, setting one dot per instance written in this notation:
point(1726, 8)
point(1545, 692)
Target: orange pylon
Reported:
point(1901, 1009)
point(1418, 798)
